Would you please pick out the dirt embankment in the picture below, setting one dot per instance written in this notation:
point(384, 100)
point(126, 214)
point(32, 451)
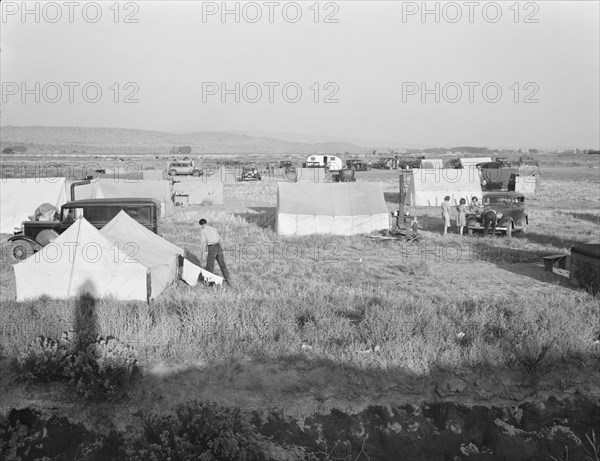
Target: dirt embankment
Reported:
point(331, 411)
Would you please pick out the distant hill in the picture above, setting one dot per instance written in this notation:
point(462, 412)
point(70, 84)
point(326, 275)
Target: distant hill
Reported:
point(41, 139)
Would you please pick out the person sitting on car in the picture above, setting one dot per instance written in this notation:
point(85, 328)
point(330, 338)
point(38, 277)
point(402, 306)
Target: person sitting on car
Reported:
point(475, 207)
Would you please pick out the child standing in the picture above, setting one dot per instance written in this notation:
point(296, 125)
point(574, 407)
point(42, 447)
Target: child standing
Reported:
point(415, 226)
point(461, 220)
point(446, 213)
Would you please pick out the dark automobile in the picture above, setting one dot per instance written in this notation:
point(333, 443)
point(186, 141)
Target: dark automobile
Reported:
point(344, 175)
point(357, 164)
point(34, 235)
point(511, 205)
point(250, 174)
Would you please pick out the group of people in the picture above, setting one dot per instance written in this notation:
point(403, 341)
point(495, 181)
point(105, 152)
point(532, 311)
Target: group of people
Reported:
point(475, 210)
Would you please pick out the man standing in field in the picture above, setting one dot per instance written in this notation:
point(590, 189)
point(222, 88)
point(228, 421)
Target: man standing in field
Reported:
point(211, 237)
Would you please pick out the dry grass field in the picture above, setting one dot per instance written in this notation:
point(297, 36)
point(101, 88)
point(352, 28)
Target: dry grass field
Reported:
point(346, 322)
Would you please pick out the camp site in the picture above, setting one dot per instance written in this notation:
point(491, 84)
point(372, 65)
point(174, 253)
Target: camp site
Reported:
point(300, 231)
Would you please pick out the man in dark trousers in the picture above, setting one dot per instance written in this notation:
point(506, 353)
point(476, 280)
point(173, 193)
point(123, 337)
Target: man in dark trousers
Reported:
point(213, 242)
point(489, 218)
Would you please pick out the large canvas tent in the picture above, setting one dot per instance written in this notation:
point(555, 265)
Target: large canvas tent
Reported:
point(330, 208)
point(157, 189)
point(158, 255)
point(429, 187)
point(82, 260)
point(20, 197)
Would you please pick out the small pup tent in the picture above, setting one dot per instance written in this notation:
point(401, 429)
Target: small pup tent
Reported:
point(330, 208)
point(159, 256)
point(20, 197)
point(82, 260)
point(429, 187)
point(121, 188)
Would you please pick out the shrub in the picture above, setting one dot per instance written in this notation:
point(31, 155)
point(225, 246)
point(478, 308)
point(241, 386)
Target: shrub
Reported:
point(100, 368)
point(197, 430)
point(104, 369)
point(44, 360)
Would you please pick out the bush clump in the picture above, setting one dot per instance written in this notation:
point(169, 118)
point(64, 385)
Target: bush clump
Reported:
point(198, 430)
point(101, 368)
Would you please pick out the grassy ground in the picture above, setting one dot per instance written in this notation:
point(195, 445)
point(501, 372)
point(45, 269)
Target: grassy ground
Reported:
point(447, 303)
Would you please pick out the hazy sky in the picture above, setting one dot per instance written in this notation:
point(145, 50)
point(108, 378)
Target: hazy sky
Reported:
point(371, 60)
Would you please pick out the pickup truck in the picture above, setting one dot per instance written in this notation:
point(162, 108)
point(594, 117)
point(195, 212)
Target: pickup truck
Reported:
point(34, 235)
point(512, 206)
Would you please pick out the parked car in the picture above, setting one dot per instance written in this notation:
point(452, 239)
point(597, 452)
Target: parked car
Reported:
point(357, 164)
point(34, 235)
point(183, 167)
point(511, 205)
point(344, 175)
point(250, 174)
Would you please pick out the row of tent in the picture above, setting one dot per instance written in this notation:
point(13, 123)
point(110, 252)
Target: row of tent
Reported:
point(123, 260)
point(20, 197)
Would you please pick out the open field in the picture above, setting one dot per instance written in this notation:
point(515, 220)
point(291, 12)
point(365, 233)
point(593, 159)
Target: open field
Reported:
point(323, 322)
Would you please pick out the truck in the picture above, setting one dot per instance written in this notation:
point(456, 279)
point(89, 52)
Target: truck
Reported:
point(512, 215)
point(34, 235)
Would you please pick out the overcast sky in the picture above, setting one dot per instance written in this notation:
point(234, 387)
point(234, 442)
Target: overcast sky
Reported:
point(370, 60)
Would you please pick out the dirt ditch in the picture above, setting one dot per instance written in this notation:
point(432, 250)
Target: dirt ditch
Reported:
point(440, 431)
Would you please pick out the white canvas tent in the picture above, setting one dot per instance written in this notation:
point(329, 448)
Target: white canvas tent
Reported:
point(161, 190)
point(330, 208)
point(158, 255)
point(472, 161)
point(82, 260)
point(429, 187)
point(20, 197)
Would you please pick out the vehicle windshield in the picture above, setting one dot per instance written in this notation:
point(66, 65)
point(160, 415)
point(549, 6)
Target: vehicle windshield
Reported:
point(502, 201)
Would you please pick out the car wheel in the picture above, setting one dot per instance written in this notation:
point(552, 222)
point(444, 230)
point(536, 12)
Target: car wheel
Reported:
point(22, 250)
point(172, 172)
point(196, 173)
point(509, 229)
